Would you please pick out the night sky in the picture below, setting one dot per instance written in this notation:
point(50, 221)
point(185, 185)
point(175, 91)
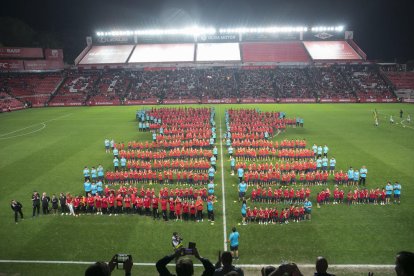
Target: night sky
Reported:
point(382, 28)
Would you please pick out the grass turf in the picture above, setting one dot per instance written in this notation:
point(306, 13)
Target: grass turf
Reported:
point(46, 149)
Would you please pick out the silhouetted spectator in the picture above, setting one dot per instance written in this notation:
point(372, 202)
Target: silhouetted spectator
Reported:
point(322, 267)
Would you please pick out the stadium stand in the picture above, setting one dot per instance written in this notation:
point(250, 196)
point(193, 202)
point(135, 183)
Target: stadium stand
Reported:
point(367, 82)
point(8, 103)
point(289, 52)
point(217, 83)
point(33, 88)
point(330, 83)
point(75, 88)
point(256, 83)
point(401, 80)
point(293, 83)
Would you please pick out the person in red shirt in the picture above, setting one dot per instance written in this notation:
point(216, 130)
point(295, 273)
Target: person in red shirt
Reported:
point(172, 208)
point(119, 204)
point(154, 202)
point(104, 205)
point(178, 210)
point(127, 201)
point(193, 211)
point(296, 214)
point(199, 207)
point(164, 203)
point(186, 210)
point(91, 204)
point(111, 202)
point(138, 205)
point(147, 204)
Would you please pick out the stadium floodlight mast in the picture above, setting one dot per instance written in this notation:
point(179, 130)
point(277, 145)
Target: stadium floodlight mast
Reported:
point(191, 30)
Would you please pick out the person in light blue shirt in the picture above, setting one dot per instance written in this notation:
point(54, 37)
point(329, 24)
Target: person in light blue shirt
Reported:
point(140, 126)
point(87, 187)
point(332, 164)
point(215, 152)
point(301, 122)
point(363, 174)
point(94, 174)
point(388, 192)
point(116, 164)
point(101, 172)
point(232, 165)
point(115, 152)
point(161, 130)
point(214, 136)
point(211, 172)
point(211, 141)
point(94, 188)
point(325, 150)
point(243, 212)
point(112, 144)
point(107, 145)
point(318, 164)
point(324, 163)
point(86, 173)
point(308, 208)
point(123, 163)
point(315, 148)
point(213, 162)
point(297, 121)
point(154, 136)
point(266, 135)
point(351, 176)
point(234, 243)
point(356, 176)
point(231, 150)
point(397, 192)
point(228, 142)
point(99, 187)
point(319, 151)
point(242, 188)
point(240, 174)
point(210, 188)
point(210, 210)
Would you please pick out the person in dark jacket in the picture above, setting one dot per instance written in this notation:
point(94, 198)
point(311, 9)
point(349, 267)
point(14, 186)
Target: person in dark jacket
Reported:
point(17, 208)
point(45, 203)
point(36, 203)
point(62, 200)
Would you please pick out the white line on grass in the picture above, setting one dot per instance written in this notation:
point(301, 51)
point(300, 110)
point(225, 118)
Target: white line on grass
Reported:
point(222, 191)
point(43, 126)
point(41, 123)
point(200, 265)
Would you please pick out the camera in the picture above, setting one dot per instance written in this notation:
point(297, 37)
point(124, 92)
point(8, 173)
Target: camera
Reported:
point(120, 260)
point(190, 249)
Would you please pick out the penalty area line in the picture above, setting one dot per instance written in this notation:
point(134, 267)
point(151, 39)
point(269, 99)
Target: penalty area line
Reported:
point(339, 266)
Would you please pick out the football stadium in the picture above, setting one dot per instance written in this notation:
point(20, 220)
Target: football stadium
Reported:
point(206, 149)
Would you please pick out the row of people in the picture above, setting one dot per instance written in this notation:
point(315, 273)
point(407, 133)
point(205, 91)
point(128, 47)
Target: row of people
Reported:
point(245, 140)
point(180, 153)
point(248, 154)
point(275, 177)
point(297, 166)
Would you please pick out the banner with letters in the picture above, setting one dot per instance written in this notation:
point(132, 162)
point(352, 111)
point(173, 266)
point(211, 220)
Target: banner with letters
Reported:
point(44, 64)
point(11, 65)
point(18, 52)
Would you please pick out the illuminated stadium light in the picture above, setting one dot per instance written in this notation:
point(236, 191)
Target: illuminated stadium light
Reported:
point(273, 29)
point(327, 29)
point(193, 30)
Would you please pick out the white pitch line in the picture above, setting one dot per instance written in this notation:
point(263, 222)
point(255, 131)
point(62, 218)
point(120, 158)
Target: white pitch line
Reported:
point(24, 134)
point(340, 266)
point(222, 191)
point(20, 129)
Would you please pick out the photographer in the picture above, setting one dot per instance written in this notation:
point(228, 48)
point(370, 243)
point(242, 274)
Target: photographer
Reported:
point(105, 269)
point(184, 266)
point(17, 208)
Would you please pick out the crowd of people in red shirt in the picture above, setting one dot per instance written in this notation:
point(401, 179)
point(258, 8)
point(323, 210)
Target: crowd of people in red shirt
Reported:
point(273, 216)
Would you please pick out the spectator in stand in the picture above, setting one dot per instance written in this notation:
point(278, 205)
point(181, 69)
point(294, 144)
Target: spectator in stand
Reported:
point(105, 269)
point(404, 263)
point(322, 267)
point(225, 266)
point(184, 266)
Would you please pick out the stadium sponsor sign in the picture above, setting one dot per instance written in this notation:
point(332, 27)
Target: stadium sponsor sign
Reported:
point(270, 36)
point(17, 52)
point(297, 100)
point(114, 40)
point(44, 64)
point(254, 100)
point(183, 101)
point(155, 39)
point(147, 101)
point(336, 100)
point(219, 101)
point(219, 38)
point(65, 104)
point(11, 65)
point(54, 54)
point(115, 102)
point(378, 100)
point(326, 35)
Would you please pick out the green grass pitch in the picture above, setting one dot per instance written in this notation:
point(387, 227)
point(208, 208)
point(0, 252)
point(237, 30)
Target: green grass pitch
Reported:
point(46, 149)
